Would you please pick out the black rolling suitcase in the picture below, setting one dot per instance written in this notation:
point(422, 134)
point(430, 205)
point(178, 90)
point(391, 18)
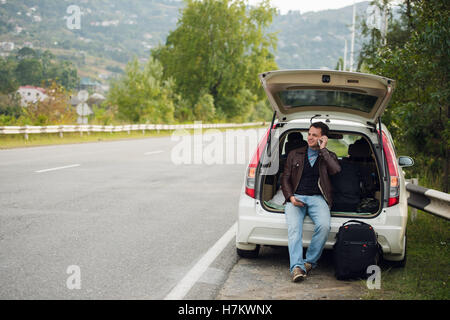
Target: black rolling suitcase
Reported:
point(355, 249)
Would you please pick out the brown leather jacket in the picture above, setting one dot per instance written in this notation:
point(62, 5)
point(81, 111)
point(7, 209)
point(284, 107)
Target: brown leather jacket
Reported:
point(293, 169)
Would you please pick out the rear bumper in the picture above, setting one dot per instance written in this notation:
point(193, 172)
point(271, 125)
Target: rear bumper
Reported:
point(257, 226)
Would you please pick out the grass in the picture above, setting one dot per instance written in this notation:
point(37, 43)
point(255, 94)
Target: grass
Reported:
point(427, 270)
point(9, 141)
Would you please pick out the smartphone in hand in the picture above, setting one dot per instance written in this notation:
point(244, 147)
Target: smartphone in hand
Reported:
point(320, 141)
point(301, 202)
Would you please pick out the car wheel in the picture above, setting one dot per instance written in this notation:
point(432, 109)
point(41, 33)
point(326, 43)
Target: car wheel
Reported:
point(250, 254)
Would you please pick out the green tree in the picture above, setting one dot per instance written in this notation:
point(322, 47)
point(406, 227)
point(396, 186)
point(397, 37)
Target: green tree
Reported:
point(141, 95)
point(416, 54)
point(26, 52)
point(204, 108)
point(263, 111)
point(10, 109)
point(55, 109)
point(29, 72)
point(340, 64)
point(8, 81)
point(103, 114)
point(30, 67)
point(63, 73)
point(218, 48)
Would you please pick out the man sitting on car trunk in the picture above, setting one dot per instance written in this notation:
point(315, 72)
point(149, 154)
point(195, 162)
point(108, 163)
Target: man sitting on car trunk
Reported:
point(307, 189)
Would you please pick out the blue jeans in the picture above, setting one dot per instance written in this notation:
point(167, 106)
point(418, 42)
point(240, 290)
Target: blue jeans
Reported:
point(319, 212)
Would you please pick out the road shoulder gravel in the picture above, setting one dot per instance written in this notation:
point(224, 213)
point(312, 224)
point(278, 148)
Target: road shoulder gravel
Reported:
point(267, 278)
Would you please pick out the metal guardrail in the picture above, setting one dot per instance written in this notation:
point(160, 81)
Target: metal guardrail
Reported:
point(429, 200)
point(25, 130)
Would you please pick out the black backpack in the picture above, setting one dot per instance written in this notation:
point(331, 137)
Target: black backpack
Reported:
point(355, 249)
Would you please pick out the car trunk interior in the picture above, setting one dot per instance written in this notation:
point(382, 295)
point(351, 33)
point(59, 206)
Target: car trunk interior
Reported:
point(356, 189)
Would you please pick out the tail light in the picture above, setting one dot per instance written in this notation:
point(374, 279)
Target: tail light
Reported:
point(250, 181)
point(394, 187)
point(251, 170)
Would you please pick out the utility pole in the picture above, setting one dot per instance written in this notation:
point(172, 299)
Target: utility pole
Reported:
point(353, 38)
point(385, 27)
point(344, 68)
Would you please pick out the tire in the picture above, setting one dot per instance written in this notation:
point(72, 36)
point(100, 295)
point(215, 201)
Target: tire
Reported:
point(249, 254)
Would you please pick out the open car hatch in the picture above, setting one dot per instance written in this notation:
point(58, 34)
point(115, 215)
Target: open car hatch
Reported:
point(295, 94)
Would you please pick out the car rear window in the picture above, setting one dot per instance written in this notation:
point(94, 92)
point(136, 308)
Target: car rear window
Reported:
point(309, 97)
point(338, 145)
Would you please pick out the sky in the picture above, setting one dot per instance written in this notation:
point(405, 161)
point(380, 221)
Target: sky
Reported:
point(307, 5)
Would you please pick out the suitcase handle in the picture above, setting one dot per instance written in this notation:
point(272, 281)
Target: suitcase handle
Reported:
point(356, 221)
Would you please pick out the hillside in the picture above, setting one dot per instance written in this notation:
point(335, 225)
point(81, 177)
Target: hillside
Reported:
point(315, 39)
point(114, 31)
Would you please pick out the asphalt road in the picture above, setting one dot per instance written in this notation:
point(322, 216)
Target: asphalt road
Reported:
point(130, 220)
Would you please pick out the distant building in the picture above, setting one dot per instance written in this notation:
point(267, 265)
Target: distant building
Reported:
point(104, 76)
point(31, 94)
point(88, 84)
point(95, 98)
point(7, 46)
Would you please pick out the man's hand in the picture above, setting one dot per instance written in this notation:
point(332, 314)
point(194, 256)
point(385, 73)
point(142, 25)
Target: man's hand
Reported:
point(296, 202)
point(324, 141)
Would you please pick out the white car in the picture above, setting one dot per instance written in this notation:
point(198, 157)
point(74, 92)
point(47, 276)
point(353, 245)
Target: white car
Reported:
point(351, 104)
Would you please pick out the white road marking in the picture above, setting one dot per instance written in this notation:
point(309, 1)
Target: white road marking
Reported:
point(58, 168)
point(183, 287)
point(153, 152)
